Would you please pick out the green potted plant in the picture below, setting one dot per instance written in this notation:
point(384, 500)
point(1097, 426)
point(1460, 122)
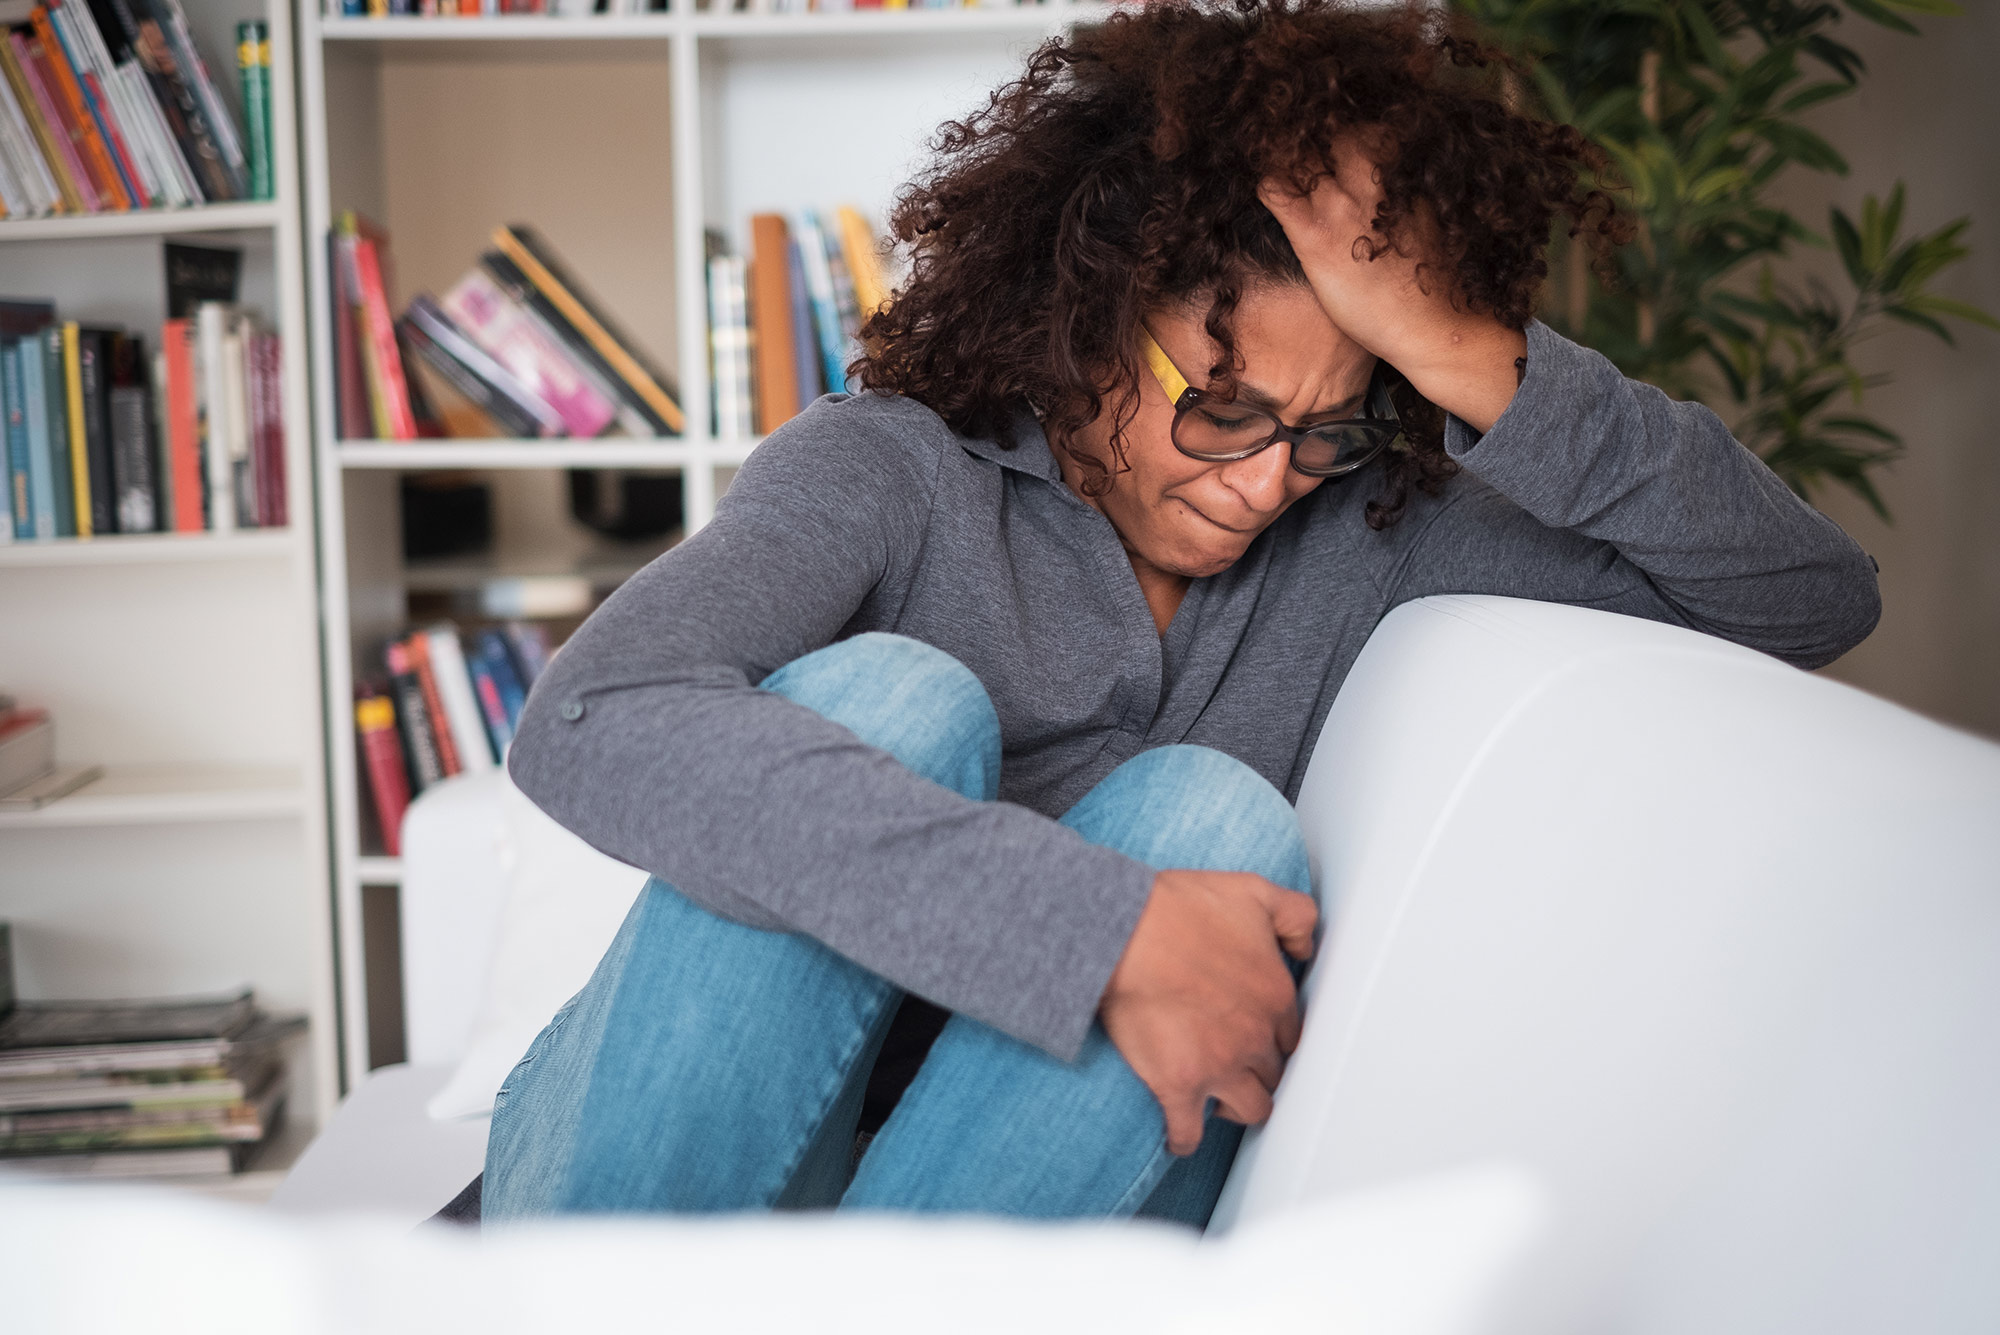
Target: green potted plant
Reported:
point(1699, 106)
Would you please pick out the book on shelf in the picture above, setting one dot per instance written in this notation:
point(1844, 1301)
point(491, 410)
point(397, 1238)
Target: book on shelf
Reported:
point(128, 1087)
point(729, 348)
point(516, 348)
point(103, 438)
point(30, 779)
point(448, 705)
point(569, 9)
point(812, 281)
point(108, 105)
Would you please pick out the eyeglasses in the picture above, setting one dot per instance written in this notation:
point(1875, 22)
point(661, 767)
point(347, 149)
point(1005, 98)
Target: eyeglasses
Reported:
point(1207, 428)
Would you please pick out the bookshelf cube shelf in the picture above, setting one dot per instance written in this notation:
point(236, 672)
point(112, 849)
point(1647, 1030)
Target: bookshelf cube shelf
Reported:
point(623, 139)
point(186, 664)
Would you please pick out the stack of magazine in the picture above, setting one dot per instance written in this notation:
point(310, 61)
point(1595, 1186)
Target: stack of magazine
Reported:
point(170, 1088)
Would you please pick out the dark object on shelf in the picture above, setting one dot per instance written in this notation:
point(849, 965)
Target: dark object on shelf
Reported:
point(626, 505)
point(199, 273)
point(445, 516)
point(50, 1023)
point(6, 968)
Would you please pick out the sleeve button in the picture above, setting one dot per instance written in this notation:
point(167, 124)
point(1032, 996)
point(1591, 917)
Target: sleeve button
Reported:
point(572, 710)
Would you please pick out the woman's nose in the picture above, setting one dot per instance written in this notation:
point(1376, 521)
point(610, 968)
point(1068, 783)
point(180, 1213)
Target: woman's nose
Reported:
point(1261, 479)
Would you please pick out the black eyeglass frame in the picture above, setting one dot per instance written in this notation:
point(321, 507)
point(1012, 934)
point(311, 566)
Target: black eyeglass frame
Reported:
point(1383, 429)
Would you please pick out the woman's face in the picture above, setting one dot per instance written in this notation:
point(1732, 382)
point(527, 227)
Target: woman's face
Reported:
point(1194, 519)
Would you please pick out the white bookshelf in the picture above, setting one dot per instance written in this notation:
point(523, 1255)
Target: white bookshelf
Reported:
point(187, 665)
point(621, 138)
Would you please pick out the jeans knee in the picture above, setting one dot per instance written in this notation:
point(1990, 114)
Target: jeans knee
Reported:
point(1194, 807)
point(908, 698)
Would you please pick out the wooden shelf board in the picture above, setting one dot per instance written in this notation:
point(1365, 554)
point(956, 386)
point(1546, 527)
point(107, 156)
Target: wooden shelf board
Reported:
point(237, 217)
point(540, 453)
point(171, 794)
point(152, 548)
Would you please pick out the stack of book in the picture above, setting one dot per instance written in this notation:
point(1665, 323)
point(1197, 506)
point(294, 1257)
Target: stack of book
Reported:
point(447, 706)
point(517, 348)
point(140, 1088)
point(783, 324)
point(102, 439)
point(29, 778)
point(107, 105)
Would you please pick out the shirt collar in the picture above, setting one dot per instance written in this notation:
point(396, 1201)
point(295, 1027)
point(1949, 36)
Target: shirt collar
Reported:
point(1030, 454)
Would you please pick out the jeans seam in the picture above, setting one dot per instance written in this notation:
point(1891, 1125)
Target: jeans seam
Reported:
point(841, 1073)
point(1129, 1203)
point(542, 1040)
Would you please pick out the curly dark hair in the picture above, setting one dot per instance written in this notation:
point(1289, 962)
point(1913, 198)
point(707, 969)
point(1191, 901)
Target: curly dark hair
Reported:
point(1119, 174)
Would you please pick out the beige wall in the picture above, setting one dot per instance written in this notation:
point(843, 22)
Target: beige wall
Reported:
point(1927, 113)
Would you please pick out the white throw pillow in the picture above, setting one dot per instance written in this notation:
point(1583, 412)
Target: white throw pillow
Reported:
point(564, 903)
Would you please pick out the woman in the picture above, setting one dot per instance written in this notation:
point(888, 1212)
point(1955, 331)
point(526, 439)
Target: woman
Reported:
point(1117, 510)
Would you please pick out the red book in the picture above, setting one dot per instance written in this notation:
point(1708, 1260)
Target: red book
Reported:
point(25, 45)
point(394, 420)
point(382, 754)
point(268, 432)
point(183, 426)
point(419, 650)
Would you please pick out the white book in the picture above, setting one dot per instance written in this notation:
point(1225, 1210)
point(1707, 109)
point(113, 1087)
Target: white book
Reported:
point(22, 157)
point(178, 176)
point(161, 186)
point(211, 321)
point(236, 407)
point(729, 346)
point(461, 710)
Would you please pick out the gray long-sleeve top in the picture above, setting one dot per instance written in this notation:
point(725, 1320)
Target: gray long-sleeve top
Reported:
point(647, 737)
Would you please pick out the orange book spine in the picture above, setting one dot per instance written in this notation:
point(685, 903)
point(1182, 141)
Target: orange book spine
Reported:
point(771, 318)
point(76, 113)
point(380, 332)
point(419, 650)
point(183, 426)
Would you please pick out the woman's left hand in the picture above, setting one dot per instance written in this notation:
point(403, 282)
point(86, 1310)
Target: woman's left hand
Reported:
point(1403, 313)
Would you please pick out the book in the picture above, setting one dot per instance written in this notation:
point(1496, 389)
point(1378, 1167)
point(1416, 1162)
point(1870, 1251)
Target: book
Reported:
point(55, 405)
point(418, 650)
point(189, 1161)
point(182, 109)
point(530, 644)
point(805, 342)
point(42, 502)
point(388, 393)
point(36, 110)
point(63, 134)
point(212, 320)
point(460, 711)
point(79, 455)
point(253, 63)
point(134, 474)
point(413, 720)
point(858, 245)
point(537, 263)
point(474, 373)
point(182, 414)
point(199, 273)
point(24, 150)
point(384, 764)
point(266, 368)
point(729, 348)
point(90, 74)
point(94, 152)
point(352, 418)
point(172, 25)
point(777, 373)
point(511, 336)
point(632, 414)
point(825, 304)
point(248, 1048)
point(17, 508)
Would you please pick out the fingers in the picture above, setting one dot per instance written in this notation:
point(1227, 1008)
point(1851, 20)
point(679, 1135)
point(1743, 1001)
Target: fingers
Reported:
point(1184, 1117)
point(1290, 1025)
point(1293, 918)
point(1243, 1100)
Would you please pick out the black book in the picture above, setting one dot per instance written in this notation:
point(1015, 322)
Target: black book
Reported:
point(135, 473)
point(515, 284)
point(413, 721)
point(147, 28)
point(93, 353)
point(199, 273)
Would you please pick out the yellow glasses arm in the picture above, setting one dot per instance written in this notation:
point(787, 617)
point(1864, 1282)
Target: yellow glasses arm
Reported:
point(1164, 371)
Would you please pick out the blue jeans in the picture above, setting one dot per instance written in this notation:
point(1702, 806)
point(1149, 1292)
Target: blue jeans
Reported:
point(710, 1066)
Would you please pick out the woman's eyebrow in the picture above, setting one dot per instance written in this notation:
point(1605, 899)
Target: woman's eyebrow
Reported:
point(1257, 397)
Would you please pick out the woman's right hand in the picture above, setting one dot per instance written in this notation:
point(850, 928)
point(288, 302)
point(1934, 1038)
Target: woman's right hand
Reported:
point(1201, 1004)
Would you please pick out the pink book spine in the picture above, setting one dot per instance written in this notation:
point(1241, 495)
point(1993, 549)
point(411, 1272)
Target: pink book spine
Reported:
point(490, 319)
point(45, 103)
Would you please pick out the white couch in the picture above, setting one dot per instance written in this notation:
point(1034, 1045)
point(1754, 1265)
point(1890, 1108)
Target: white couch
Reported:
point(1708, 946)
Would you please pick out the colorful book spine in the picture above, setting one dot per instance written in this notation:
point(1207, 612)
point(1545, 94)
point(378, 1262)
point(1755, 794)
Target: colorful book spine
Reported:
point(382, 755)
point(729, 348)
point(771, 317)
point(94, 396)
point(17, 519)
point(461, 707)
point(84, 66)
point(388, 390)
point(417, 649)
point(62, 136)
point(826, 305)
point(491, 707)
point(79, 450)
point(49, 160)
point(253, 65)
point(77, 118)
point(183, 427)
point(267, 370)
point(41, 476)
point(414, 720)
point(805, 343)
point(211, 329)
point(477, 306)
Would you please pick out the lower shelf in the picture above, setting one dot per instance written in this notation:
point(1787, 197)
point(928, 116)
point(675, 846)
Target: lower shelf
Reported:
point(171, 794)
